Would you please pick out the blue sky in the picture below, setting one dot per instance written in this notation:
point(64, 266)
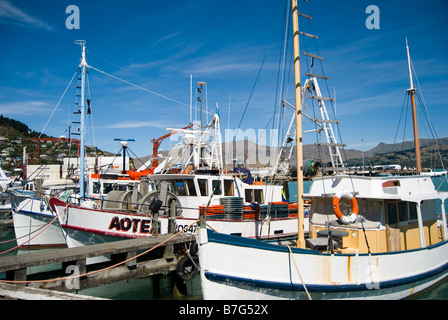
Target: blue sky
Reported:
point(158, 44)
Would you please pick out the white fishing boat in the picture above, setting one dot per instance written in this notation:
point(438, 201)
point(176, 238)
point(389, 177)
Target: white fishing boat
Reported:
point(369, 238)
point(191, 179)
point(5, 183)
point(35, 221)
point(197, 183)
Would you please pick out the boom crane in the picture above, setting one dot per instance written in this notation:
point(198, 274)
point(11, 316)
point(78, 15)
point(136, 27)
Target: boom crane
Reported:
point(156, 144)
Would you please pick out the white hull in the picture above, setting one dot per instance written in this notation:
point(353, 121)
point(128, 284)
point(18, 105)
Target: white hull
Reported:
point(32, 223)
point(86, 226)
point(235, 268)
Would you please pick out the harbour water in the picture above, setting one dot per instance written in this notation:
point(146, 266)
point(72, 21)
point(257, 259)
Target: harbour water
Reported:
point(142, 289)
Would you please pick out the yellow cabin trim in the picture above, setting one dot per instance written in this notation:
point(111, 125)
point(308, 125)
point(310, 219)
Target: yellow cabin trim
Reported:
point(381, 240)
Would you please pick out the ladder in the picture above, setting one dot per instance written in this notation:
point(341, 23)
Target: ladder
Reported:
point(76, 121)
point(325, 124)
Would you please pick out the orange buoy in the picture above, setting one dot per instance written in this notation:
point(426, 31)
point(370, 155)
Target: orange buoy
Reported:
point(345, 219)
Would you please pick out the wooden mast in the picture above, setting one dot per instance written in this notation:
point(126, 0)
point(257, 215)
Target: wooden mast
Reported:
point(299, 151)
point(412, 92)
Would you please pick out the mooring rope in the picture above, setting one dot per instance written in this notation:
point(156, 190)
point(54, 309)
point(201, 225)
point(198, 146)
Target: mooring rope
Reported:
point(300, 276)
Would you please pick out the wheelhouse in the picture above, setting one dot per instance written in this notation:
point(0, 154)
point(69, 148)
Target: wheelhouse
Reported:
point(389, 219)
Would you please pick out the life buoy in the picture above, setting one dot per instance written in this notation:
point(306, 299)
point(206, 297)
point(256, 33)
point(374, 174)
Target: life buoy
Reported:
point(345, 219)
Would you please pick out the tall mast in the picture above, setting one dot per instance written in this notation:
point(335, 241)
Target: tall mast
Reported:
point(299, 151)
point(412, 92)
point(83, 67)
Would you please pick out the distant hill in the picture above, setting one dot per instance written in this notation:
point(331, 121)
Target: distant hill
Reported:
point(382, 147)
point(11, 129)
point(15, 136)
point(401, 153)
point(404, 154)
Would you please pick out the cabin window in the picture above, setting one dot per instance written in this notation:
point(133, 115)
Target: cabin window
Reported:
point(412, 211)
point(203, 187)
point(216, 187)
point(249, 195)
point(259, 196)
point(180, 188)
point(183, 187)
point(392, 213)
point(254, 195)
point(401, 211)
point(228, 187)
point(108, 187)
point(96, 187)
point(191, 188)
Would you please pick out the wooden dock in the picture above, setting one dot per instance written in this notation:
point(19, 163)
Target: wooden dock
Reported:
point(129, 259)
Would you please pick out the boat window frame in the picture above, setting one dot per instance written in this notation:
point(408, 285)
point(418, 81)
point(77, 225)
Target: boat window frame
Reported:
point(249, 195)
point(188, 187)
point(229, 189)
point(205, 181)
point(218, 191)
point(96, 187)
point(392, 217)
point(191, 188)
point(403, 216)
point(259, 195)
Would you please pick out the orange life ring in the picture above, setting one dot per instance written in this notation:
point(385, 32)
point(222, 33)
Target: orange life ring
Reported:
point(337, 210)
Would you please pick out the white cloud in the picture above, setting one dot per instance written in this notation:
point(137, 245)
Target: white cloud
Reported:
point(12, 15)
point(24, 108)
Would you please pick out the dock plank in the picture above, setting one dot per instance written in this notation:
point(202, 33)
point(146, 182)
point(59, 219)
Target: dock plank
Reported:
point(14, 292)
point(16, 262)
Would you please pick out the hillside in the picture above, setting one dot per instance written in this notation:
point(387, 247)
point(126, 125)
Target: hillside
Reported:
point(404, 154)
point(15, 136)
point(382, 154)
point(257, 156)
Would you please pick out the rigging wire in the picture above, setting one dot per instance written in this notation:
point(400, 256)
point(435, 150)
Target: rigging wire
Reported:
point(403, 108)
point(424, 115)
point(57, 105)
point(144, 89)
point(257, 78)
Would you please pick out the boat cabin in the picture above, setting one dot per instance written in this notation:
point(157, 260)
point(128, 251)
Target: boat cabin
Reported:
point(195, 190)
point(394, 213)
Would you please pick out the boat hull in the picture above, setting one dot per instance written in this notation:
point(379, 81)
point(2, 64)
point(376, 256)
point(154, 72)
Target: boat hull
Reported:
point(86, 226)
point(236, 268)
point(33, 223)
